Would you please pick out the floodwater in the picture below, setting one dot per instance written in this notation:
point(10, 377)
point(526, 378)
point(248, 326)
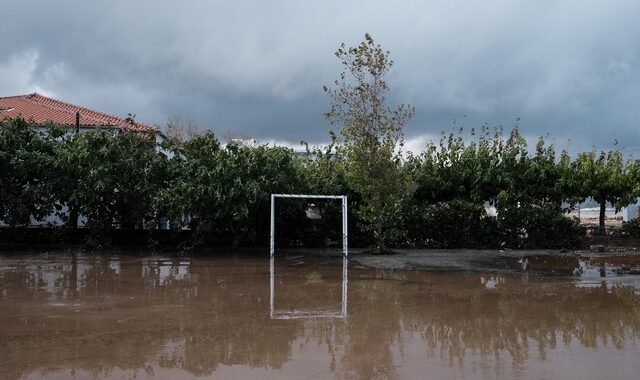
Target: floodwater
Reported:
point(232, 317)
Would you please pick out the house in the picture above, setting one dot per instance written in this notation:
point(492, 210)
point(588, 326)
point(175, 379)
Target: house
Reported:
point(41, 109)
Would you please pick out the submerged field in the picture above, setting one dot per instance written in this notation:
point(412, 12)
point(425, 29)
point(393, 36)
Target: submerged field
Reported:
point(475, 315)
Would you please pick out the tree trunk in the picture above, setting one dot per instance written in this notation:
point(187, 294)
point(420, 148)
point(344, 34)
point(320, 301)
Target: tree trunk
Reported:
point(379, 238)
point(73, 218)
point(603, 205)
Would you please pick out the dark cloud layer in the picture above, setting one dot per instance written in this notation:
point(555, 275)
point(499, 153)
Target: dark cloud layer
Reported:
point(567, 68)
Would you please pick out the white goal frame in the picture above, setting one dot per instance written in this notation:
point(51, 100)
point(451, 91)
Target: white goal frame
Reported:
point(345, 245)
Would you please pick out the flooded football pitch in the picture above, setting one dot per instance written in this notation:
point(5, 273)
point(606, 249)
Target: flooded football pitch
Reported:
point(83, 316)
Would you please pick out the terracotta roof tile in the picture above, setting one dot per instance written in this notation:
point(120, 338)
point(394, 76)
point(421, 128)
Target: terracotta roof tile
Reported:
point(41, 109)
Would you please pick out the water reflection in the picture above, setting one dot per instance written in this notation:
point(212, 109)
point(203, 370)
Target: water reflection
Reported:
point(312, 279)
point(163, 317)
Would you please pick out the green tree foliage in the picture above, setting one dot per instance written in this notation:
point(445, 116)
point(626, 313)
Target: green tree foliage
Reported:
point(372, 134)
point(25, 180)
point(454, 169)
point(191, 191)
point(324, 171)
point(108, 176)
point(255, 173)
point(225, 189)
point(608, 178)
point(456, 179)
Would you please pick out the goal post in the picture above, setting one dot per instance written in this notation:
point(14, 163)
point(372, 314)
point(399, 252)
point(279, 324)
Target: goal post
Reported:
point(272, 244)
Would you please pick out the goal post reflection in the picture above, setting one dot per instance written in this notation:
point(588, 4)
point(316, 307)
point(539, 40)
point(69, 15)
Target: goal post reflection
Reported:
point(338, 313)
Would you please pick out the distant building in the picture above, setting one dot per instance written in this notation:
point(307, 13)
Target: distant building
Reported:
point(248, 143)
point(631, 212)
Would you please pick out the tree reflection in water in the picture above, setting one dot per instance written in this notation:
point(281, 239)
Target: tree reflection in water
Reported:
point(113, 315)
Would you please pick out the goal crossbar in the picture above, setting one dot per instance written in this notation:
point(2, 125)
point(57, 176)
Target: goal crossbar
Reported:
point(272, 246)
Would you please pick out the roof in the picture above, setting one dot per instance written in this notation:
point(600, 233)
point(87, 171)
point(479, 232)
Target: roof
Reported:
point(41, 109)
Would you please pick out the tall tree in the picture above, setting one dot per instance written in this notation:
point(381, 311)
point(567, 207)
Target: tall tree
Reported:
point(372, 136)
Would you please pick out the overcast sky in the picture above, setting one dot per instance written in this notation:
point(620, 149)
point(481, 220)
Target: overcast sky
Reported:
point(568, 68)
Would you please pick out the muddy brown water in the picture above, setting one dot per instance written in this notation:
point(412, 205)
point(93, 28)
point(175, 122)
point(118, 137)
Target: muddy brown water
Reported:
point(152, 317)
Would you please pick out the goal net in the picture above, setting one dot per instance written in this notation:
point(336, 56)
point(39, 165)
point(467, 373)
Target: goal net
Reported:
point(343, 198)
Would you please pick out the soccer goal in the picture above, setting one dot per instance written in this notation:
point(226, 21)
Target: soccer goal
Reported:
point(272, 245)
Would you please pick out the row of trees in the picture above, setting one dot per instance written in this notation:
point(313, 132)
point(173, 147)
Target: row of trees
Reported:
point(531, 190)
point(123, 180)
point(445, 189)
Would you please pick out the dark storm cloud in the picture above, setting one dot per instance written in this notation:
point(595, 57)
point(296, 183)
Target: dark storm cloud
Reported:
point(567, 68)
